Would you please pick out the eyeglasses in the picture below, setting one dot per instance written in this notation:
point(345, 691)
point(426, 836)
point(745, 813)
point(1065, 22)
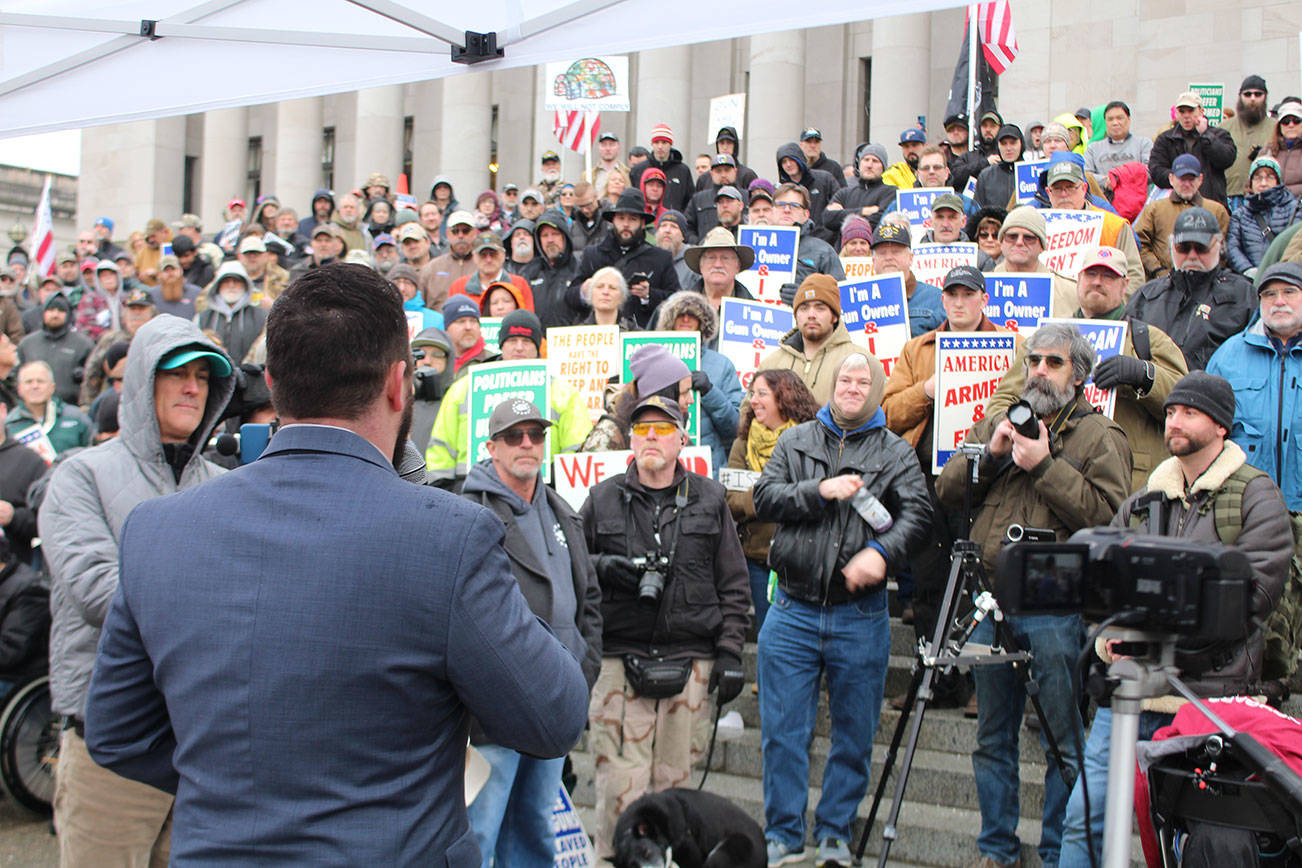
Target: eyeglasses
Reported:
point(1033, 360)
point(988, 233)
point(1019, 238)
point(789, 206)
point(662, 429)
point(515, 436)
point(1287, 291)
point(1191, 247)
point(461, 229)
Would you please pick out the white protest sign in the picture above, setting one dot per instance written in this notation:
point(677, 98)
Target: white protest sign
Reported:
point(1071, 234)
point(34, 439)
point(875, 311)
point(728, 110)
point(969, 190)
point(576, 472)
point(775, 259)
point(737, 478)
point(573, 849)
point(749, 331)
point(931, 262)
point(585, 358)
point(415, 323)
point(1107, 337)
point(598, 84)
point(969, 366)
point(915, 203)
point(1019, 301)
point(1027, 175)
point(856, 267)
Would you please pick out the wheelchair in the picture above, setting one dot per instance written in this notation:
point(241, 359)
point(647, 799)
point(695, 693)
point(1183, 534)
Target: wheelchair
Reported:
point(29, 744)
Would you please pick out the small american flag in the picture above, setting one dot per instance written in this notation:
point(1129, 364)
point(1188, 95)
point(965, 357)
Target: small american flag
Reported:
point(995, 27)
point(577, 130)
point(43, 234)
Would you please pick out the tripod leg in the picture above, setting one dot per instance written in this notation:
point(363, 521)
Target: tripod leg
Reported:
point(889, 830)
point(889, 762)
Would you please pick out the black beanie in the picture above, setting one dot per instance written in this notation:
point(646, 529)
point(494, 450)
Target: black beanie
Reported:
point(1253, 82)
point(1206, 392)
point(521, 324)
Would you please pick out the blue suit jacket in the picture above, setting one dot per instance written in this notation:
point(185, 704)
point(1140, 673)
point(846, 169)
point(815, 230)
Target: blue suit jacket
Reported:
point(293, 648)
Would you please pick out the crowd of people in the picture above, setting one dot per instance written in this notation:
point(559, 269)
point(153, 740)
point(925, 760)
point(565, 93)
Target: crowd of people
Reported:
point(120, 366)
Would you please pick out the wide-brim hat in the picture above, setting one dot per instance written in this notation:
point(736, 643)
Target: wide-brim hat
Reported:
point(629, 202)
point(718, 238)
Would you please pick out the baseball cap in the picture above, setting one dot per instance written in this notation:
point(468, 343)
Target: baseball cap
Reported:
point(410, 230)
point(513, 412)
point(952, 201)
point(217, 362)
point(531, 193)
point(548, 156)
point(891, 233)
point(106, 222)
point(1196, 225)
point(383, 239)
point(1189, 99)
point(65, 256)
point(188, 221)
point(1186, 166)
point(511, 188)
point(138, 298)
point(169, 261)
point(608, 136)
point(811, 133)
point(1063, 169)
point(661, 403)
point(723, 160)
point(253, 244)
point(460, 218)
point(1106, 257)
point(235, 203)
point(913, 134)
point(728, 190)
point(326, 229)
point(487, 241)
point(968, 276)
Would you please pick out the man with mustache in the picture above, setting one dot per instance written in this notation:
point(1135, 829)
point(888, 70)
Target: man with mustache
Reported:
point(1251, 130)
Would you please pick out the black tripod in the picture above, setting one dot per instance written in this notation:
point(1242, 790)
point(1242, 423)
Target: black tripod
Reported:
point(944, 652)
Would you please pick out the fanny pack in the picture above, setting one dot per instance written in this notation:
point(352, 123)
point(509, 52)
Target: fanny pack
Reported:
point(656, 679)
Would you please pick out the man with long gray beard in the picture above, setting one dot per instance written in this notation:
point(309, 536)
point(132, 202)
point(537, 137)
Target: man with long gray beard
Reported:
point(1072, 474)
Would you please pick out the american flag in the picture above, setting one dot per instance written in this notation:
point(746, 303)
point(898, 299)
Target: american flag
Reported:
point(998, 41)
point(577, 130)
point(43, 234)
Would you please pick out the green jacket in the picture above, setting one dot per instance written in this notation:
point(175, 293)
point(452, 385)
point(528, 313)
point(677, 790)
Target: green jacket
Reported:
point(66, 426)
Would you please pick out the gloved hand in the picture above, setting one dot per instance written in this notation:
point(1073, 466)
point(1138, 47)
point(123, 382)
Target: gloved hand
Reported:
point(701, 382)
point(616, 571)
point(1123, 371)
point(787, 292)
point(727, 676)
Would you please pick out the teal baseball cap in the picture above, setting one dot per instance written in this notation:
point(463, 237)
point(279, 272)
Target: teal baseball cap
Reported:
point(218, 364)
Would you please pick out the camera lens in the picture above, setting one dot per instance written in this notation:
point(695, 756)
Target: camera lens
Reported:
point(1023, 419)
point(649, 588)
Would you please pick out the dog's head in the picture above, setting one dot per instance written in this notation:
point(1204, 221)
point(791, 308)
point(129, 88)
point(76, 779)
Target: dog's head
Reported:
point(644, 853)
point(642, 839)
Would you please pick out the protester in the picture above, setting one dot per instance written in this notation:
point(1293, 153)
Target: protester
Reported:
point(1155, 223)
point(438, 275)
point(1286, 145)
point(63, 426)
point(1250, 127)
point(1192, 134)
point(1267, 210)
point(818, 341)
point(648, 270)
point(55, 343)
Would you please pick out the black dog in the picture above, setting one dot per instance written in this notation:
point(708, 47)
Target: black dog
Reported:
point(687, 829)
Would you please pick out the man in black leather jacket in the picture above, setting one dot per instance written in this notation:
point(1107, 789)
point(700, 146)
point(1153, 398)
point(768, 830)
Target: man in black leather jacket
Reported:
point(829, 608)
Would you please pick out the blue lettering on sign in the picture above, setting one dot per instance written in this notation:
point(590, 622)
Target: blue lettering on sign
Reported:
point(880, 300)
point(1019, 301)
point(775, 247)
point(1028, 178)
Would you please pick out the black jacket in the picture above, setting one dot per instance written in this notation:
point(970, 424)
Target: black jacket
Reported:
point(816, 538)
point(702, 215)
point(641, 258)
point(549, 281)
point(680, 184)
point(19, 468)
point(969, 164)
point(583, 234)
point(704, 608)
point(855, 197)
point(821, 185)
point(1198, 310)
point(24, 620)
point(824, 163)
point(1214, 148)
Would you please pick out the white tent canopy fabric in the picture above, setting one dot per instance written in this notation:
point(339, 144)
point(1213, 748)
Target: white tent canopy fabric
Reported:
point(68, 64)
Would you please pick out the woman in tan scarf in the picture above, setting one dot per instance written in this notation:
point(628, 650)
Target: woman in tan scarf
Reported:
point(778, 400)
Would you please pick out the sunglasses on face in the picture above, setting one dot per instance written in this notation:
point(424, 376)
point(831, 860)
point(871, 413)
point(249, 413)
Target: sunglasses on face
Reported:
point(1019, 238)
point(516, 436)
point(1253, 94)
point(662, 429)
point(988, 233)
point(1189, 246)
point(461, 230)
point(1290, 121)
point(1054, 362)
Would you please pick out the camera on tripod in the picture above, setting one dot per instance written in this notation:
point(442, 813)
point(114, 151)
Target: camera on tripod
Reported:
point(1164, 585)
point(655, 569)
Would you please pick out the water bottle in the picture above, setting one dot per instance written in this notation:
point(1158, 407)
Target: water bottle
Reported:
point(868, 506)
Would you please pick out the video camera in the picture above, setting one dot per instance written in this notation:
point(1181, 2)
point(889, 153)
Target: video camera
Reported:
point(1164, 585)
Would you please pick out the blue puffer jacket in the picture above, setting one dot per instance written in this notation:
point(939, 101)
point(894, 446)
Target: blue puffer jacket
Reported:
point(719, 406)
point(1246, 243)
point(1268, 414)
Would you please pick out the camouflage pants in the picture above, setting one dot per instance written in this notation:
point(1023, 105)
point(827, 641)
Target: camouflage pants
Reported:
point(643, 745)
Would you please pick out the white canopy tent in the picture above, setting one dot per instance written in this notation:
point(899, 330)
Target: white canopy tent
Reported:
point(68, 64)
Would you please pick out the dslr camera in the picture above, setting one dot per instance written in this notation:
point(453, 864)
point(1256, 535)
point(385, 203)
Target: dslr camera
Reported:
point(655, 569)
point(1162, 584)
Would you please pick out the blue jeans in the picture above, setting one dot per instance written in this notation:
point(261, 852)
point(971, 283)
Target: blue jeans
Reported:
point(798, 643)
point(512, 815)
point(1054, 641)
point(759, 589)
point(1094, 772)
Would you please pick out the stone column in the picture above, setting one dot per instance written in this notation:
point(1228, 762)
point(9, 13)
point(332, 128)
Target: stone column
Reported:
point(901, 42)
point(463, 133)
point(378, 145)
point(427, 140)
point(132, 172)
point(663, 95)
point(223, 164)
point(775, 98)
point(296, 160)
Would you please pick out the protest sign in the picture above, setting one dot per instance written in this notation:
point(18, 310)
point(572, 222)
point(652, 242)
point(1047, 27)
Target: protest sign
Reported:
point(576, 472)
point(875, 311)
point(683, 345)
point(915, 203)
point(595, 84)
point(1107, 337)
point(1019, 301)
point(969, 366)
point(415, 323)
point(489, 326)
point(1213, 97)
point(775, 259)
point(1071, 234)
point(573, 849)
point(490, 384)
point(931, 262)
point(584, 358)
point(969, 189)
point(1027, 173)
point(34, 439)
point(728, 110)
point(749, 331)
point(857, 266)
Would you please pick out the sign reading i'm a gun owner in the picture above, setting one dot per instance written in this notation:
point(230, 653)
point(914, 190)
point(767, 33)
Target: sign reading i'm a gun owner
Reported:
point(749, 331)
point(875, 312)
point(969, 366)
point(775, 259)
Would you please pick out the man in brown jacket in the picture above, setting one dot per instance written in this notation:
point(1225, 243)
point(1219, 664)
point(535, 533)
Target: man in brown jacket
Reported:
point(437, 275)
point(819, 340)
point(1156, 222)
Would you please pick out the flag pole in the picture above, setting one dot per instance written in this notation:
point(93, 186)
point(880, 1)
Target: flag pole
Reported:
point(972, 120)
point(587, 152)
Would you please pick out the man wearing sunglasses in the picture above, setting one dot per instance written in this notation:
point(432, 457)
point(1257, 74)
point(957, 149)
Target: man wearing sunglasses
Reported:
point(676, 597)
point(1072, 474)
point(438, 275)
point(512, 815)
point(1251, 130)
point(1200, 304)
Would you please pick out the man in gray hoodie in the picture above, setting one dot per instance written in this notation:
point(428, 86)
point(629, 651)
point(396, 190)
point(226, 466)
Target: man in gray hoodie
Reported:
point(177, 383)
point(512, 815)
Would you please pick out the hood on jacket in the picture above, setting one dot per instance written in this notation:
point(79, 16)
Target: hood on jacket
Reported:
point(443, 179)
point(483, 479)
point(323, 193)
point(654, 173)
point(692, 303)
point(792, 150)
point(728, 133)
point(232, 268)
point(675, 156)
point(1072, 122)
point(555, 219)
point(1012, 131)
point(137, 419)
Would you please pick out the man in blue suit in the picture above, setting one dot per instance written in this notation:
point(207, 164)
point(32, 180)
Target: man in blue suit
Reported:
point(298, 669)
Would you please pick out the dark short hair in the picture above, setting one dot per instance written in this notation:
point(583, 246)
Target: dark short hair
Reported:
point(331, 338)
point(1116, 103)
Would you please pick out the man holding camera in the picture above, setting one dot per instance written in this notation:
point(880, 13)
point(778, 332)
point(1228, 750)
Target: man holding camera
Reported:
point(1192, 495)
point(1063, 468)
point(675, 606)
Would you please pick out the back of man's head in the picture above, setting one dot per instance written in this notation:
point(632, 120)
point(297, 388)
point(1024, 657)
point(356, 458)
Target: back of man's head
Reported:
point(331, 338)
